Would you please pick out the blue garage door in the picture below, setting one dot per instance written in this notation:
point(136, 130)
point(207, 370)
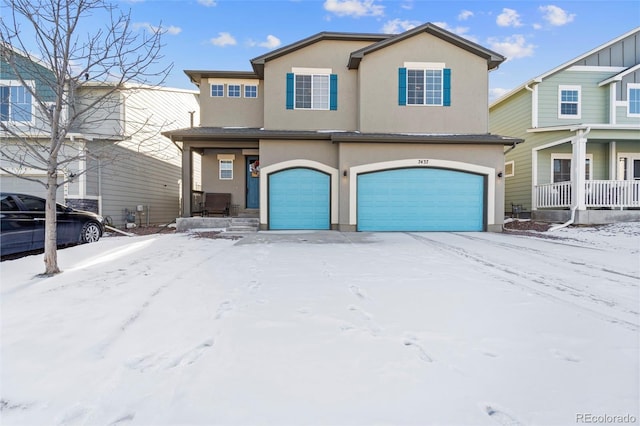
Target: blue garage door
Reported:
point(299, 199)
point(420, 199)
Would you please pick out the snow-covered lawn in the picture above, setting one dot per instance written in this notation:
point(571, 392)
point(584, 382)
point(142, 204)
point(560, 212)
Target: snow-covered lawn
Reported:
point(326, 328)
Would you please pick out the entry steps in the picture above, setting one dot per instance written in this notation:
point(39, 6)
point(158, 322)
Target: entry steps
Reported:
point(244, 224)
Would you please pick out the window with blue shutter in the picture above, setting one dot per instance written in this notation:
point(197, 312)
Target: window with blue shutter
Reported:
point(424, 86)
point(312, 91)
point(446, 87)
point(290, 83)
point(333, 92)
point(402, 86)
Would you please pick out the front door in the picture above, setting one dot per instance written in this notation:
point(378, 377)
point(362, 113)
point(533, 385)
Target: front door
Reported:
point(253, 182)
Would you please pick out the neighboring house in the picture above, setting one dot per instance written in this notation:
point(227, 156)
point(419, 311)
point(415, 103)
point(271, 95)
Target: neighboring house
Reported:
point(581, 125)
point(124, 168)
point(366, 132)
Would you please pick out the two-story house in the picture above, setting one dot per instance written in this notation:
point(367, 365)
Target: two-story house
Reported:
point(581, 123)
point(115, 161)
point(366, 132)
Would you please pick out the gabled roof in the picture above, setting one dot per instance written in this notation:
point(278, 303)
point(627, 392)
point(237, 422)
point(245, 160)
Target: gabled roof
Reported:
point(620, 75)
point(493, 59)
point(564, 66)
point(258, 62)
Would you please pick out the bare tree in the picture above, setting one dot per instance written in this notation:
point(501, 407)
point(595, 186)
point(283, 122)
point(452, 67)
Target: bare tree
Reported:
point(52, 43)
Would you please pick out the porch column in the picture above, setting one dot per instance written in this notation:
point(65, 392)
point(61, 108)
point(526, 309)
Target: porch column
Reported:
point(613, 161)
point(186, 180)
point(578, 170)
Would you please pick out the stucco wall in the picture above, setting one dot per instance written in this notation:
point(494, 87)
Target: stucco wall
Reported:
point(231, 112)
point(379, 109)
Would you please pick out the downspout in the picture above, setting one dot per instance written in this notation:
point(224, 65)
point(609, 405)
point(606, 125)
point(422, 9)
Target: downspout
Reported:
point(574, 207)
point(511, 148)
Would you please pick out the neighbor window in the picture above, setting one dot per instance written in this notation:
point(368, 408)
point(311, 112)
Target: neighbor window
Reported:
point(217, 90)
point(569, 102)
point(250, 91)
point(15, 102)
point(633, 99)
point(233, 90)
point(226, 169)
point(561, 167)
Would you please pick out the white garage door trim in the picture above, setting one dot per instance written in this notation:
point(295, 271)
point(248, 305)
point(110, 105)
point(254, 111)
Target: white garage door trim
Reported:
point(421, 162)
point(290, 164)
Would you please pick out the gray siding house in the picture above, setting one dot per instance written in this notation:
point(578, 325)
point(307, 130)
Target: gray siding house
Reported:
point(355, 132)
point(123, 167)
point(581, 126)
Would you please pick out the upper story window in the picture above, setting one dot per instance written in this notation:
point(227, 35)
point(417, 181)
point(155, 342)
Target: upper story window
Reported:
point(312, 92)
point(15, 102)
point(217, 90)
point(233, 90)
point(312, 89)
point(569, 101)
point(633, 99)
point(250, 91)
point(424, 83)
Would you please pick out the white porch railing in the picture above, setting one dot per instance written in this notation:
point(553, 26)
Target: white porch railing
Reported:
point(598, 193)
point(553, 195)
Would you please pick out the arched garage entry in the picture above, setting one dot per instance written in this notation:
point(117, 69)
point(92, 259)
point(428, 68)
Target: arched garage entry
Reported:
point(421, 199)
point(299, 198)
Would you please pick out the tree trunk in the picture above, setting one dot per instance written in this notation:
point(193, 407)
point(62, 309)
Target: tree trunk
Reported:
point(50, 224)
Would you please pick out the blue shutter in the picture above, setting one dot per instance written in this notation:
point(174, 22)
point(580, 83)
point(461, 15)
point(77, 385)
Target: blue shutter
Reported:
point(4, 103)
point(446, 82)
point(402, 86)
point(333, 92)
point(290, 90)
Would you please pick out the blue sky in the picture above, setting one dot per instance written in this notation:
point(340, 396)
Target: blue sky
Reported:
point(535, 36)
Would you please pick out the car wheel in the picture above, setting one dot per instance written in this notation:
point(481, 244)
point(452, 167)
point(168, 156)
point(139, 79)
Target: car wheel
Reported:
point(90, 232)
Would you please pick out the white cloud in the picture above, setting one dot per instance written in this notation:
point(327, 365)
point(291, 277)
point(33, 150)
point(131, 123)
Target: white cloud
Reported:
point(512, 47)
point(355, 8)
point(207, 3)
point(537, 26)
point(464, 15)
point(407, 5)
point(171, 30)
point(497, 92)
point(556, 16)
point(223, 39)
point(271, 43)
point(461, 31)
point(398, 25)
point(509, 18)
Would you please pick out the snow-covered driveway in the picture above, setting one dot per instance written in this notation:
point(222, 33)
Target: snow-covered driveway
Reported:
point(326, 329)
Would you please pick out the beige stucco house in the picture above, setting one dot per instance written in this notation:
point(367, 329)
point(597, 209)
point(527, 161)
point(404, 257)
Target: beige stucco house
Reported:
point(355, 132)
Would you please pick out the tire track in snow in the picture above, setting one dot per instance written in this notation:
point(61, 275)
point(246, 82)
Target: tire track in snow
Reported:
point(557, 256)
point(543, 285)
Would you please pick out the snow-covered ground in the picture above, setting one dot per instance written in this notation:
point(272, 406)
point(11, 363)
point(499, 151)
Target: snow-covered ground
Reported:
point(326, 328)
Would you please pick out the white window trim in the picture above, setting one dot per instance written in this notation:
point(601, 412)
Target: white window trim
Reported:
point(513, 168)
point(229, 90)
point(565, 156)
point(566, 87)
point(295, 76)
point(244, 93)
point(629, 87)
point(32, 85)
point(211, 90)
point(426, 66)
point(631, 156)
point(226, 161)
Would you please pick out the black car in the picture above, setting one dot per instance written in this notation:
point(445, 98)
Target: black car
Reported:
point(22, 220)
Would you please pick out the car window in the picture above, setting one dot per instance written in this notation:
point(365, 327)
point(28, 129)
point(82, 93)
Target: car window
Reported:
point(7, 204)
point(32, 204)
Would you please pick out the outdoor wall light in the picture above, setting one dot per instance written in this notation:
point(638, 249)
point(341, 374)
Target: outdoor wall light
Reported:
point(499, 174)
point(344, 173)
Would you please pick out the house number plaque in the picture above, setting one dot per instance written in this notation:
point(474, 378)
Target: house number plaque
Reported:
point(423, 162)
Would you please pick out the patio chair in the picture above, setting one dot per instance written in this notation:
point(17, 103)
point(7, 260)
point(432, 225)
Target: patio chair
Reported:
point(216, 203)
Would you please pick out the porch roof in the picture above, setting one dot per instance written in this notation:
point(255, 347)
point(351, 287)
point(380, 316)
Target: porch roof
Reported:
point(335, 136)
